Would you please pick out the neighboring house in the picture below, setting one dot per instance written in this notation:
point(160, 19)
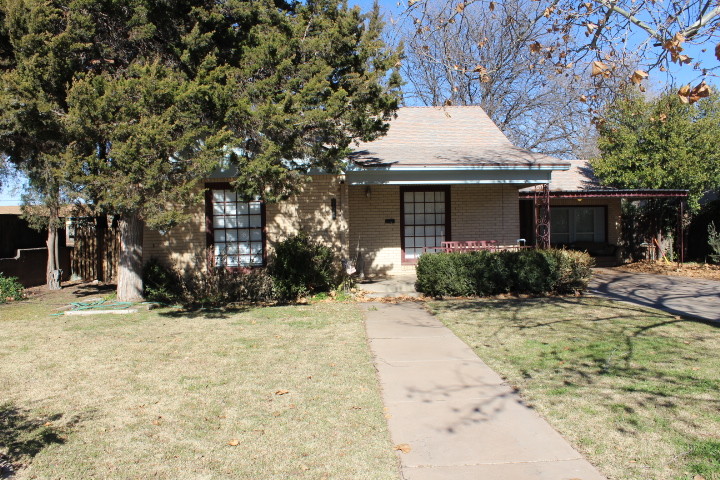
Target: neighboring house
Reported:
point(585, 215)
point(23, 250)
point(440, 174)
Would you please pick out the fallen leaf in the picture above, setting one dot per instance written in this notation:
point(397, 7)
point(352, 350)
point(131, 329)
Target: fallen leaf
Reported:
point(403, 447)
point(282, 392)
point(388, 415)
point(47, 424)
point(234, 442)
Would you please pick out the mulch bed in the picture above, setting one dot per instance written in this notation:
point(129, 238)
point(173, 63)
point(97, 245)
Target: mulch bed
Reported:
point(694, 270)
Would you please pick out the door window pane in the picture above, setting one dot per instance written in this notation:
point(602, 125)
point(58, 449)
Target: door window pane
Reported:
point(424, 222)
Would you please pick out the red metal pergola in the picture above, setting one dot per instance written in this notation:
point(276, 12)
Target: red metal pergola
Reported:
point(542, 195)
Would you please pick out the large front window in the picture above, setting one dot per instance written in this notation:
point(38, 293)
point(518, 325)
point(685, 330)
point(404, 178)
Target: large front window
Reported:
point(235, 230)
point(577, 224)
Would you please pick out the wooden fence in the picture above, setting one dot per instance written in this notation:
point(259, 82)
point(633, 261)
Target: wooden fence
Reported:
point(96, 246)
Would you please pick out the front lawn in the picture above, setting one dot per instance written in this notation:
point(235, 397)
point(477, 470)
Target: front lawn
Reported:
point(634, 389)
point(266, 393)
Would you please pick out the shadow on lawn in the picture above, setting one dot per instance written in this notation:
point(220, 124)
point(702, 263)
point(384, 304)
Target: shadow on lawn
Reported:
point(90, 290)
point(23, 437)
point(214, 313)
point(624, 341)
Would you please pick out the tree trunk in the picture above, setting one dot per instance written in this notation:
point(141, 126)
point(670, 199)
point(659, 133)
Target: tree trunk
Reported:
point(53, 262)
point(100, 229)
point(129, 287)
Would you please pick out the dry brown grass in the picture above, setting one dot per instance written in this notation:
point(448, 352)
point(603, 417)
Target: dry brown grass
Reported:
point(634, 389)
point(266, 393)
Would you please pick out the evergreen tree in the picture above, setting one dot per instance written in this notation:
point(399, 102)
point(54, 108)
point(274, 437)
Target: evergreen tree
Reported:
point(165, 91)
point(661, 143)
point(41, 47)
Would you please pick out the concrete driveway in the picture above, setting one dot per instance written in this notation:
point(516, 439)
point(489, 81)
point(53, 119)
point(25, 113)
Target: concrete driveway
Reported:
point(691, 297)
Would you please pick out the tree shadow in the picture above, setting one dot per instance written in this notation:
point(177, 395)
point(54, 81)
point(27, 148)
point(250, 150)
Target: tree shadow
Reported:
point(89, 290)
point(22, 437)
point(623, 350)
point(207, 312)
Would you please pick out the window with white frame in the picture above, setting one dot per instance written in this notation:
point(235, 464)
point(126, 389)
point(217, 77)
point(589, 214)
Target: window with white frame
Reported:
point(577, 224)
point(235, 230)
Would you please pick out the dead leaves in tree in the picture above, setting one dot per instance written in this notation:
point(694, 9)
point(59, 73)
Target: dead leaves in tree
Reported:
point(482, 72)
point(717, 51)
point(692, 95)
point(638, 76)
point(674, 46)
point(599, 68)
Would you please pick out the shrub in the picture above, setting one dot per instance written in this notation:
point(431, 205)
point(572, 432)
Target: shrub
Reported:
point(199, 286)
point(301, 267)
point(490, 273)
point(218, 287)
point(445, 274)
point(573, 271)
point(160, 283)
point(10, 289)
point(714, 242)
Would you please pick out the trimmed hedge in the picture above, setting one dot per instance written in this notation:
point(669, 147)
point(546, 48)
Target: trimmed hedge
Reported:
point(485, 273)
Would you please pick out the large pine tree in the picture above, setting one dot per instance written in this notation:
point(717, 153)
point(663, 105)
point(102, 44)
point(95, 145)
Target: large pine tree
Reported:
point(166, 90)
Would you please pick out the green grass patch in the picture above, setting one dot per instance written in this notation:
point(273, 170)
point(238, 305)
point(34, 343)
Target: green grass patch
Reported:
point(259, 393)
point(636, 390)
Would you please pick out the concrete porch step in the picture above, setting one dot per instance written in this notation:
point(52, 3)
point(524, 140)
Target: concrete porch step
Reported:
point(398, 286)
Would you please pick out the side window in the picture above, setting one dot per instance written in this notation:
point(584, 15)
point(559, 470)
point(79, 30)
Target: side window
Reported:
point(577, 224)
point(236, 230)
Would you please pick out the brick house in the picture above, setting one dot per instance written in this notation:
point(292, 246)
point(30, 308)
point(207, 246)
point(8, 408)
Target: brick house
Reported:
point(440, 174)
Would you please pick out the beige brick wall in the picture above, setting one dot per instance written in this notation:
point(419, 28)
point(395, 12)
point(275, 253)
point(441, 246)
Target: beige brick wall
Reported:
point(311, 211)
point(185, 245)
point(614, 212)
point(485, 212)
point(478, 212)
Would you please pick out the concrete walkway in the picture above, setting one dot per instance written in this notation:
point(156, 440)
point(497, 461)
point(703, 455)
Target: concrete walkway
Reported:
point(692, 297)
point(461, 421)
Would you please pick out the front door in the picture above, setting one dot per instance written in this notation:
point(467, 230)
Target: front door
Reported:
point(425, 220)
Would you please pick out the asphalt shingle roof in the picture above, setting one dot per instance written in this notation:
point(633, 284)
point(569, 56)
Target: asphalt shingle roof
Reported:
point(445, 136)
point(579, 177)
